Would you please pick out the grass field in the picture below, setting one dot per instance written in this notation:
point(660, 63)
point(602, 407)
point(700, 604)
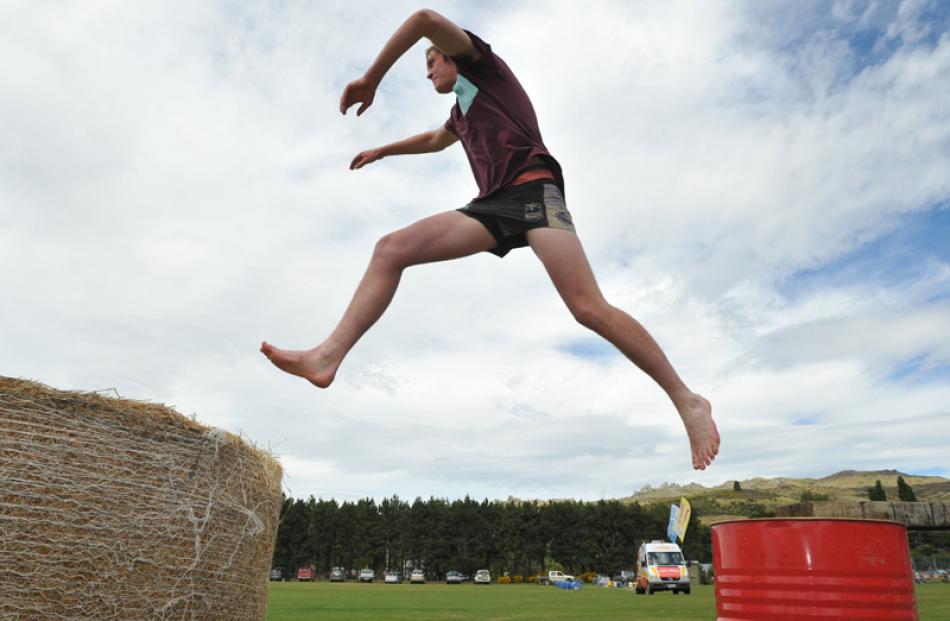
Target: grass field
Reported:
point(322, 601)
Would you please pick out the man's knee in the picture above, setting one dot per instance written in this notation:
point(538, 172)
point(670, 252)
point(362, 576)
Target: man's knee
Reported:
point(392, 250)
point(589, 313)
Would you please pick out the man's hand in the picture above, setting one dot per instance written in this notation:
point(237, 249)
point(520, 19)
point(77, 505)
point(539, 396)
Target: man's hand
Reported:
point(446, 35)
point(426, 142)
point(366, 157)
point(360, 91)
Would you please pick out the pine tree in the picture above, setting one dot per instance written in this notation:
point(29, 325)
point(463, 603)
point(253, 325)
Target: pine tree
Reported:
point(736, 487)
point(904, 491)
point(877, 492)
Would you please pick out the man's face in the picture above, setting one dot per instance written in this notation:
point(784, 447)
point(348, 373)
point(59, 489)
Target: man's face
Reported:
point(442, 71)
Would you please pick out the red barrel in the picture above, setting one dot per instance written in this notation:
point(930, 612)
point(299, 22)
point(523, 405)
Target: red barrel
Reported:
point(808, 569)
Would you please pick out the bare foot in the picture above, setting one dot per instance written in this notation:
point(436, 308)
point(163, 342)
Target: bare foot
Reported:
point(313, 364)
point(703, 435)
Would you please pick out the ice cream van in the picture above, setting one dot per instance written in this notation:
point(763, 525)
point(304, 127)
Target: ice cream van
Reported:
point(661, 567)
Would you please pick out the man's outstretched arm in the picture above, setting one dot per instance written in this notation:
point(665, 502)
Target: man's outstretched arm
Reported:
point(426, 142)
point(444, 34)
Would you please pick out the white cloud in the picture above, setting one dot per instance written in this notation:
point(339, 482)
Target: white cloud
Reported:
point(174, 188)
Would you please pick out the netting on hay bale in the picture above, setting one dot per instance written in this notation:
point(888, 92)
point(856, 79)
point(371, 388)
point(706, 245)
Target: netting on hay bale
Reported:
point(118, 509)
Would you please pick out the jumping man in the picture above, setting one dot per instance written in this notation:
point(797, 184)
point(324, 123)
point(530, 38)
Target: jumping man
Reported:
point(520, 203)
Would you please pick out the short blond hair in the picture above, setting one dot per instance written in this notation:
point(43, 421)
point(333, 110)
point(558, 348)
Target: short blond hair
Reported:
point(433, 48)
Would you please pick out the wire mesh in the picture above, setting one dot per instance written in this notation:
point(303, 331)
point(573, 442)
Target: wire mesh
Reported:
point(112, 509)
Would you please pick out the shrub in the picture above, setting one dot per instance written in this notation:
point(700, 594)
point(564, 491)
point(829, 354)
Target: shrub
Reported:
point(531, 579)
point(904, 491)
point(518, 579)
point(504, 580)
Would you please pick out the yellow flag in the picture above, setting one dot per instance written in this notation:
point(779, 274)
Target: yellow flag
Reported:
point(682, 518)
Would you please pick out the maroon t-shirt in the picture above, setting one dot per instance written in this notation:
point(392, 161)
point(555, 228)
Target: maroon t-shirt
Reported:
point(495, 121)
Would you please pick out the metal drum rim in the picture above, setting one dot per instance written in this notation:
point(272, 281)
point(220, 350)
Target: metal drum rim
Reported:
point(808, 519)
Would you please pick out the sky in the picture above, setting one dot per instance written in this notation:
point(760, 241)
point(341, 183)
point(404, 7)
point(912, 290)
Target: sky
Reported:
point(765, 186)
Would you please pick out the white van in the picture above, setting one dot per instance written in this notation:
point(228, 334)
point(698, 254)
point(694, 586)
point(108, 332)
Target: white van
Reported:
point(661, 567)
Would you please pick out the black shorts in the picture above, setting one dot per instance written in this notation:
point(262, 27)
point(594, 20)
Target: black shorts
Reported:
point(512, 211)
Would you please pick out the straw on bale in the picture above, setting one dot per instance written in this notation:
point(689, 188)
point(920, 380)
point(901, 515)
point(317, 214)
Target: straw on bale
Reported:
point(118, 509)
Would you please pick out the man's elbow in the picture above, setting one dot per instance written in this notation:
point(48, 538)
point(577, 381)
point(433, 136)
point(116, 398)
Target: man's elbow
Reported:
point(427, 19)
point(424, 17)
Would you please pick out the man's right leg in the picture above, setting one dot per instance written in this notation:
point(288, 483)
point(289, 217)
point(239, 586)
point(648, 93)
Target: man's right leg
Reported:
point(449, 235)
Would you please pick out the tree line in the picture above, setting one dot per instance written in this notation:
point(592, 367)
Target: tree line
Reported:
point(905, 493)
point(518, 537)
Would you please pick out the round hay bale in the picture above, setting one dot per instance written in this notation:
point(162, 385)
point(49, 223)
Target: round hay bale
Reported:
point(118, 509)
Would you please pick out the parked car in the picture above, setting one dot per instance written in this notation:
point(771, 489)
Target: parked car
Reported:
point(662, 568)
point(367, 575)
point(554, 577)
point(625, 577)
point(417, 577)
point(453, 577)
point(277, 573)
point(482, 577)
point(392, 577)
point(305, 573)
point(337, 574)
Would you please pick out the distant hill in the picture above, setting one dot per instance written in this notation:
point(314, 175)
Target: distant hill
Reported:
point(760, 496)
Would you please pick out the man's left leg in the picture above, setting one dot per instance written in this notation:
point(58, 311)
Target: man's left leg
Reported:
point(563, 257)
point(444, 236)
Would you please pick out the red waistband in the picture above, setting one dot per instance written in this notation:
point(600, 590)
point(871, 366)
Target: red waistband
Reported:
point(531, 175)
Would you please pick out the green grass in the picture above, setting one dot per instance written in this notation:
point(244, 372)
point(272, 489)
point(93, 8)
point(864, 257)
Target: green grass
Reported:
point(319, 601)
point(322, 601)
point(933, 601)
